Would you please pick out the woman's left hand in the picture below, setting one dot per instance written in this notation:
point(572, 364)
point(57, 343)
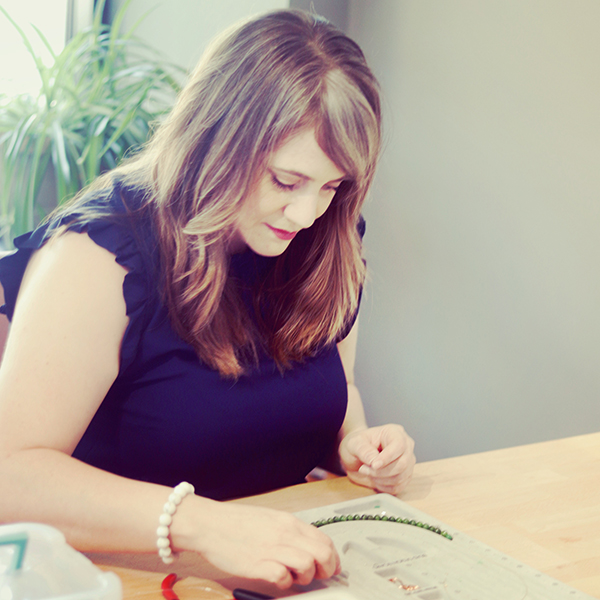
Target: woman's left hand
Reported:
point(381, 457)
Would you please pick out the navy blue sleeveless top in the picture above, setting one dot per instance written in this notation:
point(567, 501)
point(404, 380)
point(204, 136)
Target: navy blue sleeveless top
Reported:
point(168, 417)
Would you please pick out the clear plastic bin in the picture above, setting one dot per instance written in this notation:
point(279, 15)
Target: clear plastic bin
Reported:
point(36, 563)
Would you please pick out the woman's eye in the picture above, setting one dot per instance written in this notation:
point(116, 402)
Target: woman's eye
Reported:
point(331, 189)
point(282, 186)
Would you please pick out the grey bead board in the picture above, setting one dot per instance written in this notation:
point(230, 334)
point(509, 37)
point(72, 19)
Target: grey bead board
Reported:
point(383, 560)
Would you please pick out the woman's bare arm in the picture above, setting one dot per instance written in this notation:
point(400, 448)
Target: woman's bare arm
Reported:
point(355, 413)
point(61, 357)
point(381, 457)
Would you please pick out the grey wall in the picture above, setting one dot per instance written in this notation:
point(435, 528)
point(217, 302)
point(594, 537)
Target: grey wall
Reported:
point(335, 11)
point(481, 324)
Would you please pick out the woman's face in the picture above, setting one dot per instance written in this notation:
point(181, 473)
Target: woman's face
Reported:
point(296, 189)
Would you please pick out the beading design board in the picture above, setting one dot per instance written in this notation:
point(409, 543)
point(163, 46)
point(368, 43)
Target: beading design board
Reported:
point(384, 560)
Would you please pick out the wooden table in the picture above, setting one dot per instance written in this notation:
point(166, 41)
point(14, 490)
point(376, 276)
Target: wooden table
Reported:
point(538, 503)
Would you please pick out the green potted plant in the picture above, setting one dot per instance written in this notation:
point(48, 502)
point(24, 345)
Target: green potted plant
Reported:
point(97, 101)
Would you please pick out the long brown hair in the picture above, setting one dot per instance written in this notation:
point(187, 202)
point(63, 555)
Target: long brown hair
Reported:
point(255, 86)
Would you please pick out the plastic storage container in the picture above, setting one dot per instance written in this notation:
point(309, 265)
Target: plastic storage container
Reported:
point(36, 563)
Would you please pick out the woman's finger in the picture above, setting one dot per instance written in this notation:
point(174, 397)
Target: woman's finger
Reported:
point(361, 447)
point(300, 564)
point(393, 484)
point(272, 572)
point(322, 551)
point(393, 469)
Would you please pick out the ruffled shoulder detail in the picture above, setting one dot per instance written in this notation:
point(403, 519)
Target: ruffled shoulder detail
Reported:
point(119, 230)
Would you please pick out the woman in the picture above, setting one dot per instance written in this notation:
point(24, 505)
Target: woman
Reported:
point(191, 317)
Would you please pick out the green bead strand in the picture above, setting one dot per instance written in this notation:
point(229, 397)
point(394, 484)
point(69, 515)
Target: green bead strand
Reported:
point(357, 517)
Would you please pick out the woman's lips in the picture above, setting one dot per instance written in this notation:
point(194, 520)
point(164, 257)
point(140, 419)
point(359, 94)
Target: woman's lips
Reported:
point(283, 234)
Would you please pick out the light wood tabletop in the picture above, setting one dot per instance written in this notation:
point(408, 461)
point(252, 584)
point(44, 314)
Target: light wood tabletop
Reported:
point(538, 503)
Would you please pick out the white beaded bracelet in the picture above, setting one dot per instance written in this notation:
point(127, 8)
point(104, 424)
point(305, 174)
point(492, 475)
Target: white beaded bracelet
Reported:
point(163, 543)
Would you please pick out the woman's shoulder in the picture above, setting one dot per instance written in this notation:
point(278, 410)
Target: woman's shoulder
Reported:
point(75, 263)
point(111, 218)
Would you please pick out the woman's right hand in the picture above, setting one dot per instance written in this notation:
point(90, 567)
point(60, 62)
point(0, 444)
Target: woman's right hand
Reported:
point(255, 542)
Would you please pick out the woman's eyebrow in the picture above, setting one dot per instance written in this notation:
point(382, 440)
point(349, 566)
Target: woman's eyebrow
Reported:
point(302, 175)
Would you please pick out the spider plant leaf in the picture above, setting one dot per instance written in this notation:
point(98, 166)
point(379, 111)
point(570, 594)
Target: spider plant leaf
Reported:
point(126, 120)
point(61, 154)
point(45, 42)
point(74, 145)
point(100, 109)
point(110, 160)
point(41, 173)
point(13, 137)
point(98, 99)
point(15, 147)
point(98, 12)
point(115, 27)
point(113, 50)
point(101, 126)
point(25, 215)
point(135, 134)
point(118, 131)
point(92, 160)
point(61, 183)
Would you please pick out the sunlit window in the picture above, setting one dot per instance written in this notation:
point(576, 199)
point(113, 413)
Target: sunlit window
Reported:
point(18, 73)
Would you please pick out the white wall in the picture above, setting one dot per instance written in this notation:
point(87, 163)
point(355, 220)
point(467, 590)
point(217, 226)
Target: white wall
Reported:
point(18, 72)
point(481, 323)
point(181, 29)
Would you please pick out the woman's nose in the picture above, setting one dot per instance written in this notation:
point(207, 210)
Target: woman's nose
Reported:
point(303, 210)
